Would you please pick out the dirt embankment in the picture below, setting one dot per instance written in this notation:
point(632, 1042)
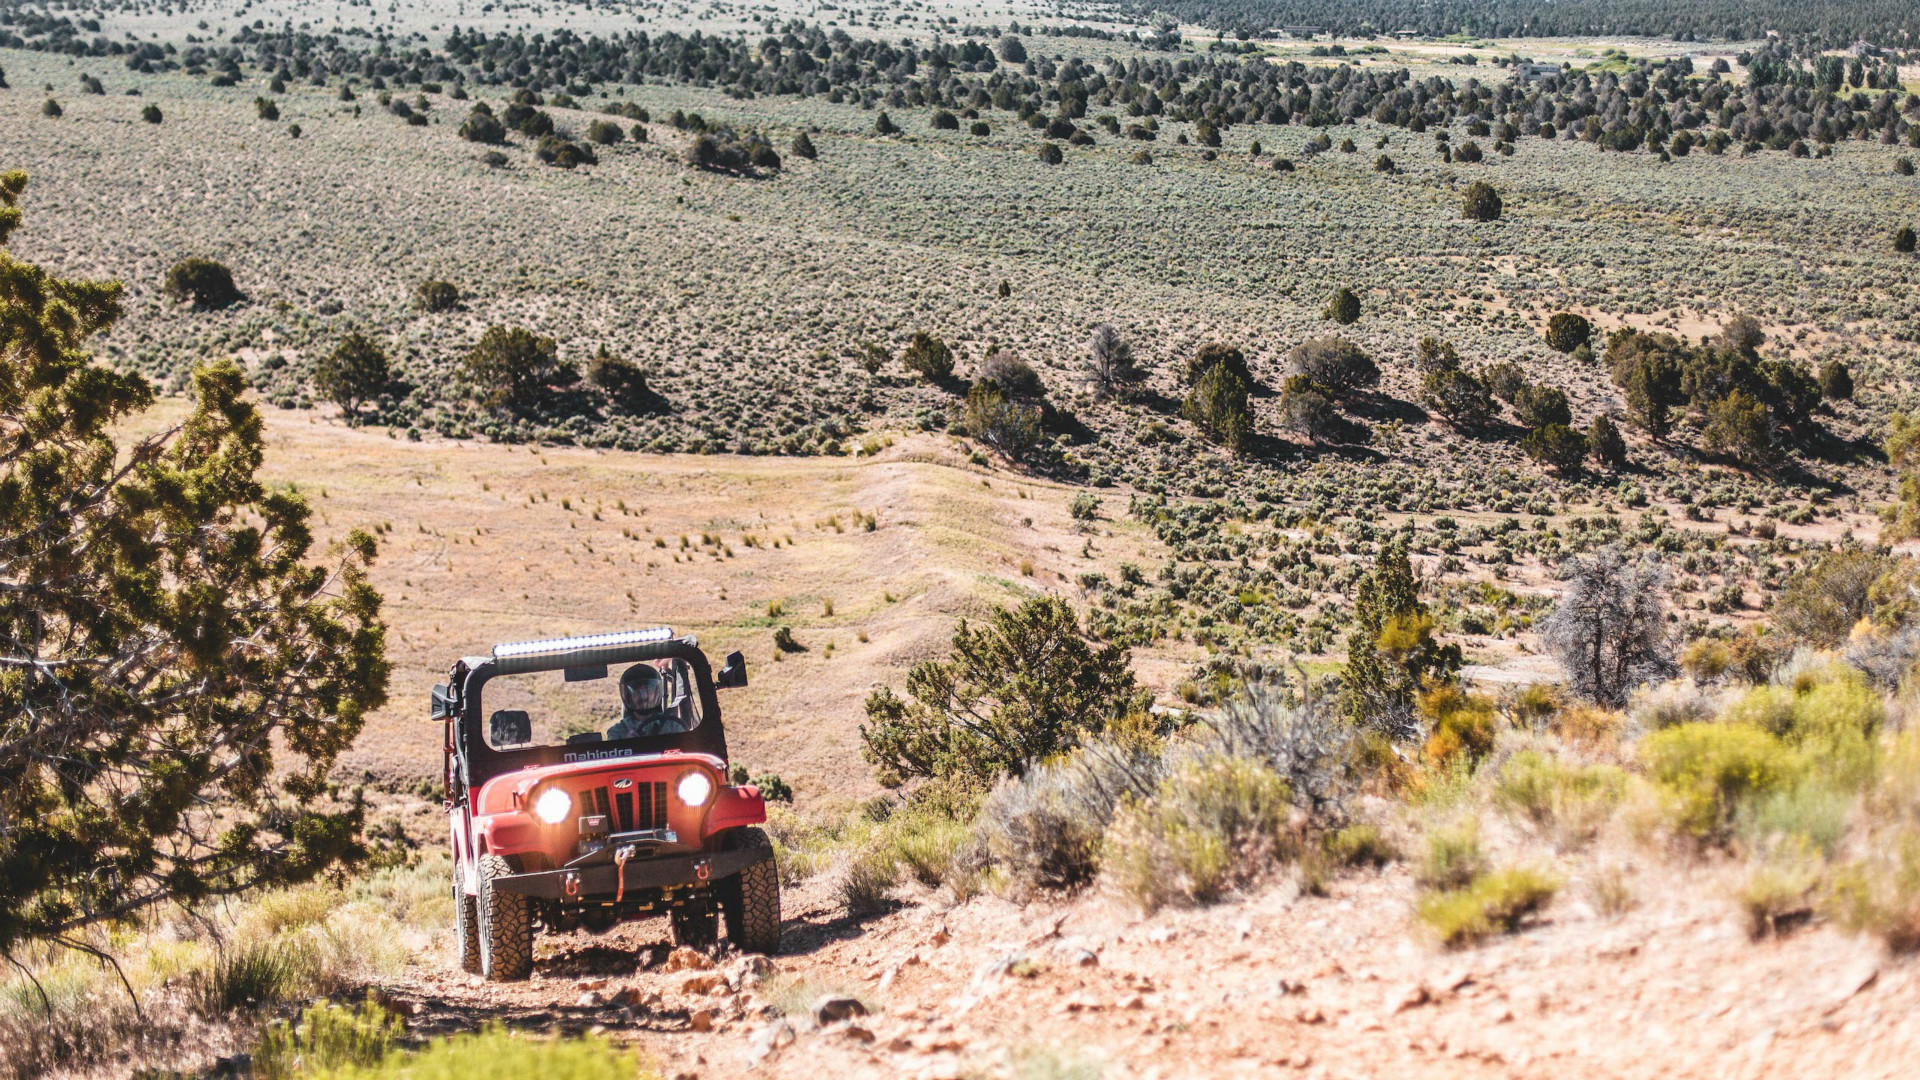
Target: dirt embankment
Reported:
point(1274, 983)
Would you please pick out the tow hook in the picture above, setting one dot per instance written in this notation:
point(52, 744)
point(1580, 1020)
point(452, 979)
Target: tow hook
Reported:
point(620, 856)
point(571, 883)
point(701, 871)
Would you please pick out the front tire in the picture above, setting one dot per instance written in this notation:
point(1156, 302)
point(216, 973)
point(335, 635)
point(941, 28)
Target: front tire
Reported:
point(466, 924)
point(750, 900)
point(506, 926)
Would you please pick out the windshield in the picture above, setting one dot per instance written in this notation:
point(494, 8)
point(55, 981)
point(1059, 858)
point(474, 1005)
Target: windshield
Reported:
point(541, 708)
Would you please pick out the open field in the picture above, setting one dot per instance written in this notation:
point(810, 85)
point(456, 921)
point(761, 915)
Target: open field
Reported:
point(484, 544)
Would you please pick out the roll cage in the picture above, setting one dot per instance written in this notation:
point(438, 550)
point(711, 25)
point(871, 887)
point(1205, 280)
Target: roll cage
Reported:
point(474, 762)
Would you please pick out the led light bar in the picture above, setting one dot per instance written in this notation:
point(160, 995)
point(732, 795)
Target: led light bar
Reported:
point(578, 644)
point(619, 648)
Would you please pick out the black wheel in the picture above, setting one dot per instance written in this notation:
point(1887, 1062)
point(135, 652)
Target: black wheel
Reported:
point(506, 926)
point(750, 900)
point(694, 925)
point(466, 924)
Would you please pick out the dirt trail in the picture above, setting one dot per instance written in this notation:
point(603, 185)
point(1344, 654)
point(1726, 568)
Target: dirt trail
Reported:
point(1271, 984)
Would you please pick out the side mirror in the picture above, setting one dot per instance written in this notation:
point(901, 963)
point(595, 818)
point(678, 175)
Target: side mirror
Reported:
point(733, 673)
point(441, 705)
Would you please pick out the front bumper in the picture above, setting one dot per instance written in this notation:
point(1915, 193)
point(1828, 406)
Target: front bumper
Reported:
point(599, 884)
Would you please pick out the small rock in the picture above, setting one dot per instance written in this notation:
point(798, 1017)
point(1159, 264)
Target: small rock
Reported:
point(685, 958)
point(939, 936)
point(1413, 997)
point(1080, 958)
point(701, 1019)
point(589, 1000)
point(1289, 987)
point(854, 1032)
point(1132, 1001)
point(769, 1040)
point(755, 964)
point(626, 997)
point(590, 984)
point(836, 1007)
point(711, 982)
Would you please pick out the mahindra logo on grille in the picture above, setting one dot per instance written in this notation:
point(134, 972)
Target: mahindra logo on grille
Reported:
point(622, 784)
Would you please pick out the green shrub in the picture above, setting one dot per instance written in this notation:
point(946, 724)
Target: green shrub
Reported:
point(1453, 857)
point(1711, 772)
point(872, 873)
point(1343, 307)
point(1879, 892)
point(245, 977)
point(151, 114)
point(1572, 801)
point(1481, 202)
point(327, 1037)
point(1214, 824)
point(1359, 845)
point(496, 1054)
point(928, 357)
point(1496, 903)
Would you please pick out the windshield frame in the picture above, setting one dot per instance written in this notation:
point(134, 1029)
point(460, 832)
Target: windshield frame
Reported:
point(481, 762)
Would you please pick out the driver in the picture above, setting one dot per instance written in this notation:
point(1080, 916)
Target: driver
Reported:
point(643, 705)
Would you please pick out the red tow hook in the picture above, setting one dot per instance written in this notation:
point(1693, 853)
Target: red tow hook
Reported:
point(620, 856)
point(571, 883)
point(701, 870)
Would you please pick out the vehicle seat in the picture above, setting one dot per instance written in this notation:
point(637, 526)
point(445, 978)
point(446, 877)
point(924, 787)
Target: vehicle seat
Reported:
point(510, 727)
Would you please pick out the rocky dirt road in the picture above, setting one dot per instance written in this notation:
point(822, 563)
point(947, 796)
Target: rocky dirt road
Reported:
point(1273, 984)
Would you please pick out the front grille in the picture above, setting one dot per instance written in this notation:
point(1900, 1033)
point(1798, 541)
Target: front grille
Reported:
point(623, 811)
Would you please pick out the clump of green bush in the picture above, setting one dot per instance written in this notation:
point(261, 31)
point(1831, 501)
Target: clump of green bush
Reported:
point(1709, 772)
point(1569, 801)
point(1213, 825)
point(1492, 904)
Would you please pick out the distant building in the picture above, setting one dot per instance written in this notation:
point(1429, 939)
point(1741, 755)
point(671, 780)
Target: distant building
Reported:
point(1304, 32)
point(1528, 72)
point(1406, 35)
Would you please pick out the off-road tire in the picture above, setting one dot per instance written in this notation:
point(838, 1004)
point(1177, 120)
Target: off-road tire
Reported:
point(506, 926)
point(694, 926)
point(750, 900)
point(466, 924)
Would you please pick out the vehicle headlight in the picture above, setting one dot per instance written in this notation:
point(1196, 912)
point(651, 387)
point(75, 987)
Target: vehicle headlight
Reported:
point(695, 788)
point(553, 806)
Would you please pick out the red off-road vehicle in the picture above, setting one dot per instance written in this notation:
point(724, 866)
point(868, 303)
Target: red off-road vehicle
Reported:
point(587, 784)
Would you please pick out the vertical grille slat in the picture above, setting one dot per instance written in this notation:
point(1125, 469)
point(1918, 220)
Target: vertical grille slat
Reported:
point(641, 808)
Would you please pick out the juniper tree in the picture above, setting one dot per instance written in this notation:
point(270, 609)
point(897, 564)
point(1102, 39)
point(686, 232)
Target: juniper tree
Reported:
point(354, 371)
point(1568, 331)
point(1025, 686)
point(1609, 629)
point(1334, 364)
point(929, 357)
point(1112, 369)
point(1394, 651)
point(1343, 307)
point(512, 366)
point(176, 677)
point(1218, 406)
point(207, 283)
